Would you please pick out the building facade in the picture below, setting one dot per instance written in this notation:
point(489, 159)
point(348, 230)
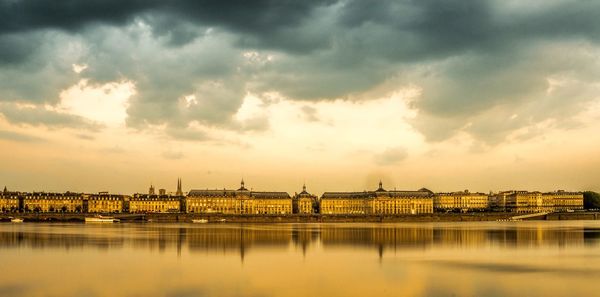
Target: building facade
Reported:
point(353, 203)
point(461, 202)
point(565, 201)
point(305, 203)
point(144, 203)
point(525, 202)
point(53, 202)
point(240, 201)
point(9, 201)
point(380, 202)
point(103, 202)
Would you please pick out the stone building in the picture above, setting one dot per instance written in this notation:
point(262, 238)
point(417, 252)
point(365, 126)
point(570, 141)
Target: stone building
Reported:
point(460, 202)
point(143, 203)
point(305, 203)
point(161, 202)
point(380, 201)
point(103, 202)
point(346, 203)
point(53, 202)
point(9, 201)
point(524, 201)
point(566, 201)
point(240, 201)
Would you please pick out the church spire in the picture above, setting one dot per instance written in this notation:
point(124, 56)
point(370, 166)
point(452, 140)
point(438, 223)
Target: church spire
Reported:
point(5, 190)
point(151, 190)
point(179, 190)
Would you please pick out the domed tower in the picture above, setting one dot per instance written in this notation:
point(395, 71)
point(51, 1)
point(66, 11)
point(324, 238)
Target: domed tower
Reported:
point(242, 186)
point(305, 203)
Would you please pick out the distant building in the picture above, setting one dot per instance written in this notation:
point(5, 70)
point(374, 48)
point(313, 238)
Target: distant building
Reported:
point(143, 203)
point(461, 201)
point(53, 202)
point(305, 203)
point(379, 201)
point(240, 201)
point(9, 201)
point(524, 201)
point(103, 202)
point(566, 201)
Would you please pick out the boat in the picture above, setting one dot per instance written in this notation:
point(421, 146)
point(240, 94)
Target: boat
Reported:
point(16, 220)
point(201, 221)
point(101, 219)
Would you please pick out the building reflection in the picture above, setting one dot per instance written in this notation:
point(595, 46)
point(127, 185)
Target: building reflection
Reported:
point(242, 239)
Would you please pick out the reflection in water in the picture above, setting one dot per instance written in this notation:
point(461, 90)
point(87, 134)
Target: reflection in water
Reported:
point(241, 238)
point(427, 259)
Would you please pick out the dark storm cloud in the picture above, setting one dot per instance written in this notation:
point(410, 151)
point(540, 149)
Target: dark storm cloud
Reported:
point(484, 66)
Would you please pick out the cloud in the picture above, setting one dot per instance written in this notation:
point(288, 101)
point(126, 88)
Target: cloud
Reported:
point(34, 115)
point(14, 136)
point(391, 156)
point(477, 62)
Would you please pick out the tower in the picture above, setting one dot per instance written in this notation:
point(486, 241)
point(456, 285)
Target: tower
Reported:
point(179, 191)
point(151, 190)
point(242, 186)
point(380, 189)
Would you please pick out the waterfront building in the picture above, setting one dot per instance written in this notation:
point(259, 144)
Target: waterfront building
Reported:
point(498, 201)
point(524, 201)
point(461, 202)
point(346, 203)
point(103, 202)
point(380, 202)
point(402, 202)
point(9, 201)
point(271, 203)
point(53, 202)
point(240, 201)
point(143, 203)
point(565, 201)
point(305, 203)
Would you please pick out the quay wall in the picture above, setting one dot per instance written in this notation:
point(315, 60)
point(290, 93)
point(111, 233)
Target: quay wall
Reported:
point(221, 218)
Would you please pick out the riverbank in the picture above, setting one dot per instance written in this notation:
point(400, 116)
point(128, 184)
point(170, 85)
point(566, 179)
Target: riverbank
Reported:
point(221, 218)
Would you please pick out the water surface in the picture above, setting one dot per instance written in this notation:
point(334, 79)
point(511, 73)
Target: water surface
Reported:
point(416, 259)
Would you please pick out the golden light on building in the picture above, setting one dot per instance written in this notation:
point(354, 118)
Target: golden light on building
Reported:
point(240, 201)
point(143, 203)
point(524, 201)
point(9, 201)
point(305, 203)
point(53, 202)
point(461, 201)
point(103, 202)
point(380, 202)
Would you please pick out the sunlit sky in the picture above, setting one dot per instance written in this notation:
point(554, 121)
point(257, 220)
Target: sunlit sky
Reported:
point(448, 95)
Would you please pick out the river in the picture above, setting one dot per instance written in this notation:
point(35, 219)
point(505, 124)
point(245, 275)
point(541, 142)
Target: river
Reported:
point(533, 258)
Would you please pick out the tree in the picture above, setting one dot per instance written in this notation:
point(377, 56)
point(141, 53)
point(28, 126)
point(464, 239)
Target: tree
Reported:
point(591, 200)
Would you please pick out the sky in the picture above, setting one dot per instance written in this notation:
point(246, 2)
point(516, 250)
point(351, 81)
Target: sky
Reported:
point(105, 95)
